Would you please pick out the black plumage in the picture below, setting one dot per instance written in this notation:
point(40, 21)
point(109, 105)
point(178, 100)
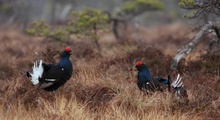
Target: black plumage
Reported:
point(175, 87)
point(165, 82)
point(145, 79)
point(147, 82)
point(56, 75)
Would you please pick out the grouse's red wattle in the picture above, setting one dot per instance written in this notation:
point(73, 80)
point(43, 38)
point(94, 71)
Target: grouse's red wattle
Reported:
point(67, 50)
point(138, 63)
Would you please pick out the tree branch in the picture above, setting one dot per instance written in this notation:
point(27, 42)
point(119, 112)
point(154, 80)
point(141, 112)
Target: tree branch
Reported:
point(182, 53)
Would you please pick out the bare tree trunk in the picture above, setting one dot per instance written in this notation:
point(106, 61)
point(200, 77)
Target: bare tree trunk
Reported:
point(95, 39)
point(186, 50)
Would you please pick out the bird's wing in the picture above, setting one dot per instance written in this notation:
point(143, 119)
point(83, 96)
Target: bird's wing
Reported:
point(54, 74)
point(47, 66)
point(162, 80)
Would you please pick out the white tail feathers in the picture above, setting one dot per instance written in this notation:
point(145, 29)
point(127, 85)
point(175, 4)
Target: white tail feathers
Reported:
point(178, 82)
point(50, 80)
point(36, 72)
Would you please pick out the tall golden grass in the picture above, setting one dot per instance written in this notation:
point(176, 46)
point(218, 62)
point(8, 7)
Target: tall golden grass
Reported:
point(103, 85)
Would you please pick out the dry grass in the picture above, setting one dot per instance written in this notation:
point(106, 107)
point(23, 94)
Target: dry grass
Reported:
point(103, 85)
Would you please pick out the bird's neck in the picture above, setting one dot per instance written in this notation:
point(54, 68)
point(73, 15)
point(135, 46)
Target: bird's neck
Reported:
point(66, 64)
point(64, 61)
point(145, 69)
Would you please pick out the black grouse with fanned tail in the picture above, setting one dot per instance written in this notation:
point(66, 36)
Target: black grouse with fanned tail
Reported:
point(51, 76)
point(145, 80)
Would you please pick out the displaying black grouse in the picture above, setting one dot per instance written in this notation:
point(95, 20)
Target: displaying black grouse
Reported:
point(51, 76)
point(147, 82)
point(145, 79)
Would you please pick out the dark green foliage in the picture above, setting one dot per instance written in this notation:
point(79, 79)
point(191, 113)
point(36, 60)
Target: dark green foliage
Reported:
point(58, 34)
point(200, 8)
point(183, 3)
point(42, 28)
point(88, 23)
point(137, 7)
point(85, 23)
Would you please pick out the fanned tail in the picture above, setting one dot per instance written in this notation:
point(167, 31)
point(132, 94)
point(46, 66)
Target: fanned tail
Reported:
point(179, 91)
point(37, 71)
point(178, 82)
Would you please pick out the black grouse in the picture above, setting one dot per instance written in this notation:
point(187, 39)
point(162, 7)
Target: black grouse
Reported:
point(145, 79)
point(51, 76)
point(147, 82)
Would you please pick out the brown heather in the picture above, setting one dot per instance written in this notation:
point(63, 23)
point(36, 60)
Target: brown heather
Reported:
point(103, 85)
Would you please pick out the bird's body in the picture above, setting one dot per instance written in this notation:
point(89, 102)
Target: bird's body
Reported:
point(54, 75)
point(162, 80)
point(145, 79)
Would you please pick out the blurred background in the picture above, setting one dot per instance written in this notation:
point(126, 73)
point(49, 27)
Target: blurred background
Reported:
point(107, 38)
point(22, 12)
